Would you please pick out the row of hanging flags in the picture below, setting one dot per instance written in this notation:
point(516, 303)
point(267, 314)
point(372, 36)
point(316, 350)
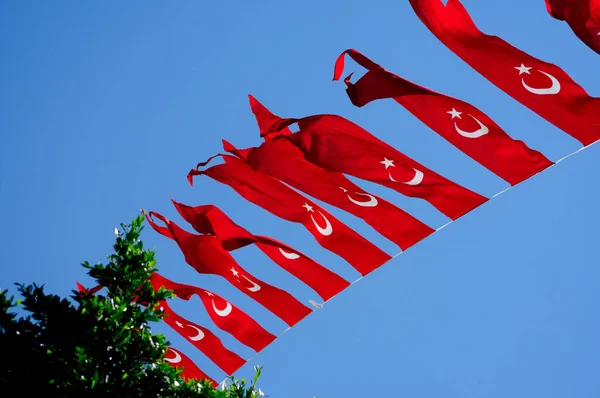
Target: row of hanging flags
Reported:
point(315, 159)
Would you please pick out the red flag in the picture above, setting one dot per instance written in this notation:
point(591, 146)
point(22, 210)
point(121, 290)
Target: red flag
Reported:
point(204, 340)
point(225, 315)
point(91, 291)
point(207, 256)
point(177, 359)
point(335, 143)
point(583, 16)
point(211, 220)
point(278, 199)
point(460, 123)
point(282, 160)
point(542, 87)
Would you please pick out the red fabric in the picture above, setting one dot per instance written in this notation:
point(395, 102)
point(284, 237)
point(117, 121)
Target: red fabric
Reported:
point(177, 359)
point(265, 117)
point(278, 199)
point(583, 16)
point(207, 256)
point(204, 340)
point(460, 123)
point(551, 11)
point(210, 219)
point(93, 290)
point(335, 143)
point(225, 315)
point(542, 87)
point(282, 160)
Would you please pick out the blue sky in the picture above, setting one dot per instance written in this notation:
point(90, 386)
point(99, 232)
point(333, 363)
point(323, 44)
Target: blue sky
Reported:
point(105, 106)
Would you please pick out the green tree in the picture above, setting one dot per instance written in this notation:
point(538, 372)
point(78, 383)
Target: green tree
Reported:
point(98, 344)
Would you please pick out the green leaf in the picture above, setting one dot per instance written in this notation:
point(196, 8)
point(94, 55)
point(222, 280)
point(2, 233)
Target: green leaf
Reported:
point(85, 343)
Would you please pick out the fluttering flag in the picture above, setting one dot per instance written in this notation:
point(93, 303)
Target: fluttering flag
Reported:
point(282, 160)
point(206, 255)
point(204, 340)
point(282, 201)
point(225, 315)
point(190, 371)
point(91, 291)
point(459, 122)
point(542, 87)
point(210, 219)
point(583, 17)
point(335, 143)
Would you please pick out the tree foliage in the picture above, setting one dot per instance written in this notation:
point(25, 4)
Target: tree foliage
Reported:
point(98, 344)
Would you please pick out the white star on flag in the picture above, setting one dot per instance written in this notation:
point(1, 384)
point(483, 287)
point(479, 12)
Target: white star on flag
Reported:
point(234, 272)
point(307, 207)
point(344, 189)
point(523, 69)
point(388, 163)
point(209, 294)
point(179, 324)
point(455, 113)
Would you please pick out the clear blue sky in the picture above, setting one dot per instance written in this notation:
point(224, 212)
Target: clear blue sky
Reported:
point(105, 106)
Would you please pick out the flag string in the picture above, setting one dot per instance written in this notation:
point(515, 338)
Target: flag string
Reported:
point(436, 231)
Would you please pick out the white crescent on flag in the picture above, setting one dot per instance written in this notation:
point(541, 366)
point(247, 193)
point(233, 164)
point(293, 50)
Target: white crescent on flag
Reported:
point(552, 90)
point(289, 256)
point(372, 202)
point(199, 333)
point(482, 130)
point(223, 312)
point(416, 180)
point(255, 286)
point(175, 359)
point(323, 231)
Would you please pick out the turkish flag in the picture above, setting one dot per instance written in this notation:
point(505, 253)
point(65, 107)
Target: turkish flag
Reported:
point(542, 87)
point(204, 340)
point(178, 360)
point(225, 315)
point(207, 256)
point(335, 143)
point(282, 201)
point(459, 122)
point(583, 16)
point(210, 219)
point(282, 160)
